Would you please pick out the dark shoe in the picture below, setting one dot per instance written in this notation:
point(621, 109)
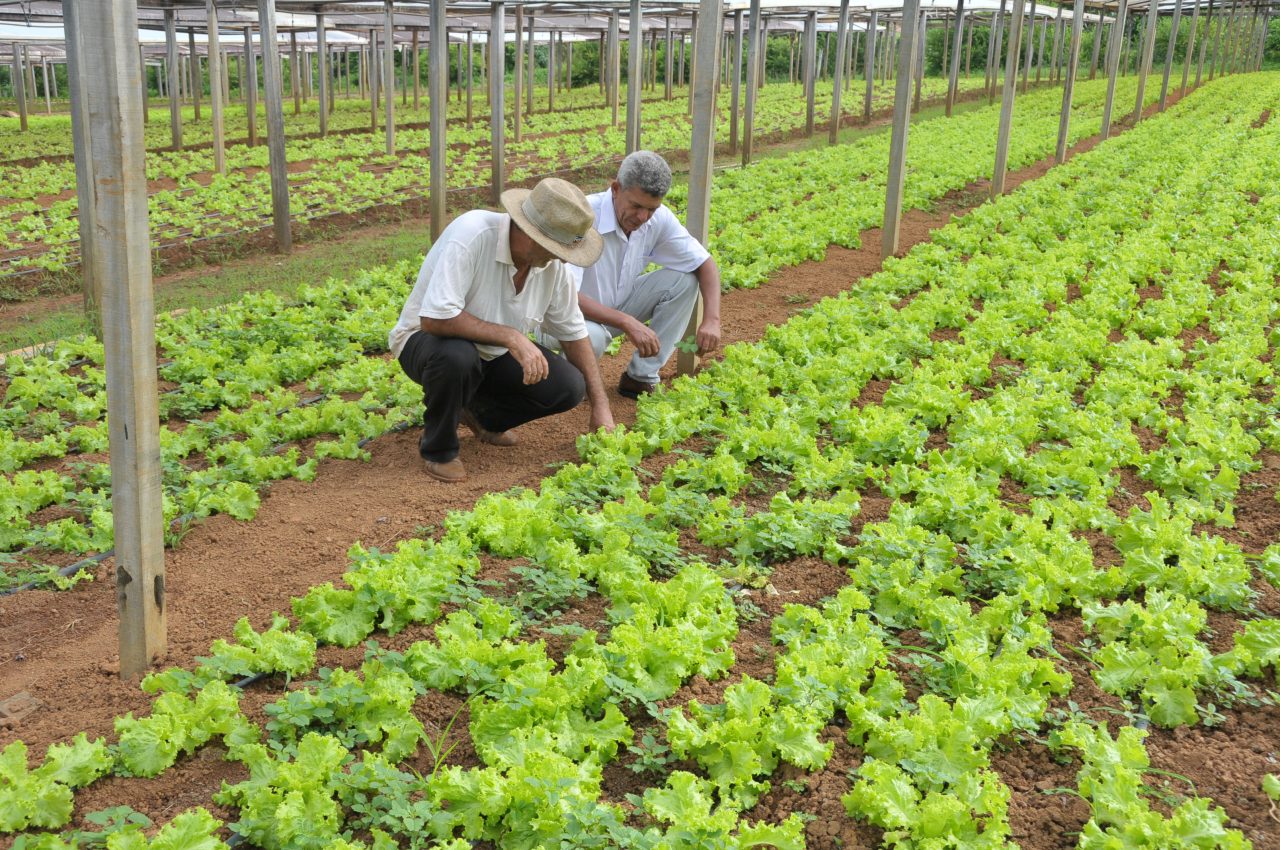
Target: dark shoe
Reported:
point(493, 438)
point(629, 387)
point(449, 471)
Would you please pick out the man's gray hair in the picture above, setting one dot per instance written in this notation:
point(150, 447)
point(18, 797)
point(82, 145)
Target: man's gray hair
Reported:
point(646, 171)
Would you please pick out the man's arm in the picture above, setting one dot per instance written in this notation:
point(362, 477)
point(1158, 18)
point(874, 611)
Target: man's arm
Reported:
point(466, 326)
point(708, 334)
point(641, 336)
point(580, 354)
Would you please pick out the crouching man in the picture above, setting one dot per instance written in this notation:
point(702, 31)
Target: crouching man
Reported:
point(618, 297)
point(489, 281)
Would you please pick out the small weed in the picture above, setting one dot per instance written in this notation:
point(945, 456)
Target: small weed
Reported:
point(797, 298)
point(651, 755)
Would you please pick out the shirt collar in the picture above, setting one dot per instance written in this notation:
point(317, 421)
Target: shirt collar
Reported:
point(503, 252)
point(607, 222)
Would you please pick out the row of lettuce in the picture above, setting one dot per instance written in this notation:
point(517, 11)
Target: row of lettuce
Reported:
point(237, 359)
point(349, 173)
point(1028, 336)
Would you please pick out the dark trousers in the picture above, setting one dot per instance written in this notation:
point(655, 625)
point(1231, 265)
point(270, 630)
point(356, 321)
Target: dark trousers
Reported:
point(454, 378)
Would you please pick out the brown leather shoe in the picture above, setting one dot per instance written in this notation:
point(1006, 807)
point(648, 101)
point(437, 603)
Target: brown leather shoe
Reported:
point(633, 388)
point(449, 471)
point(493, 438)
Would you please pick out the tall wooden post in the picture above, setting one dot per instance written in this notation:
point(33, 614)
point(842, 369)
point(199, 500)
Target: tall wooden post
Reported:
point(1069, 86)
point(1113, 66)
point(1188, 58)
point(614, 74)
point(438, 95)
point(702, 146)
point(1097, 47)
point(497, 74)
point(171, 59)
point(1144, 60)
point(1168, 54)
point(735, 85)
point(1006, 103)
point(953, 81)
point(251, 85)
point(635, 36)
point(215, 88)
point(295, 71)
point(528, 92)
point(810, 69)
point(274, 90)
point(322, 73)
point(389, 75)
point(670, 64)
point(837, 70)
point(901, 121)
point(471, 75)
point(869, 68)
point(103, 44)
point(754, 49)
point(417, 68)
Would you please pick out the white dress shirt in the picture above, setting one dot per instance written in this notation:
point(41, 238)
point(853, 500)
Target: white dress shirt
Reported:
point(662, 240)
point(470, 268)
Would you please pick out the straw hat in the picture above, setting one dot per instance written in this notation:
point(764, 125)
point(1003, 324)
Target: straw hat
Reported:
point(556, 215)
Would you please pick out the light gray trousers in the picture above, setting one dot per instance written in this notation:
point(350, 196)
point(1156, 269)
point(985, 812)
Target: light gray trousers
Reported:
point(663, 298)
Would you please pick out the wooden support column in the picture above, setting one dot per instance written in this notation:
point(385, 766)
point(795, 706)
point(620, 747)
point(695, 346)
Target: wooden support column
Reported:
point(901, 121)
point(702, 146)
point(995, 53)
point(146, 85)
point(1069, 86)
point(470, 76)
point(735, 84)
point(528, 92)
point(1055, 66)
point(837, 70)
point(273, 84)
point(79, 86)
point(375, 83)
point(953, 81)
point(1144, 61)
point(614, 73)
point(1031, 46)
point(497, 122)
point(869, 65)
point(197, 81)
point(968, 49)
point(171, 60)
point(295, 71)
point(670, 64)
point(1174, 26)
point(1006, 103)
point(810, 69)
point(1188, 58)
point(438, 97)
point(1097, 47)
point(553, 70)
point(417, 67)
point(216, 67)
point(251, 85)
point(44, 71)
point(389, 75)
point(516, 99)
point(755, 38)
point(323, 75)
point(1204, 44)
point(1113, 66)
point(635, 48)
point(693, 55)
point(918, 71)
point(1044, 31)
point(103, 39)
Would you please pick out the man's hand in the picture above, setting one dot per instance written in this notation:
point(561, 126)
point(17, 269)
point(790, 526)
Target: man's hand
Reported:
point(708, 336)
point(601, 417)
point(530, 358)
point(642, 337)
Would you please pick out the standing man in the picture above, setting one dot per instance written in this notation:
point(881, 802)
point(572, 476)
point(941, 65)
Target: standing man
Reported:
point(489, 281)
point(618, 297)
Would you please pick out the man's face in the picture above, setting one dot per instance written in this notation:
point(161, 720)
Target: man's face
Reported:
point(632, 207)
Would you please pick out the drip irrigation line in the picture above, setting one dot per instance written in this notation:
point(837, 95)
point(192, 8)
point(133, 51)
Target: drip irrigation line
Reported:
point(68, 570)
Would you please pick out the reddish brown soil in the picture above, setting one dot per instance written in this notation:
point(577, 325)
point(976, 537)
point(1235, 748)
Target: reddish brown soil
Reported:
point(61, 647)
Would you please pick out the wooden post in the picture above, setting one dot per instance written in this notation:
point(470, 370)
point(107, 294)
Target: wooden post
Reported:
point(274, 90)
point(1204, 44)
point(44, 71)
point(614, 73)
point(79, 83)
point(702, 146)
point(1144, 60)
point(670, 60)
point(322, 74)
point(1097, 47)
point(552, 71)
point(953, 81)
point(171, 59)
point(375, 79)
point(438, 96)
point(693, 55)
point(735, 85)
point(1055, 66)
point(1189, 57)
point(998, 35)
point(869, 67)
point(103, 38)
point(1044, 30)
point(1006, 103)
point(1068, 88)
point(519, 74)
point(295, 70)
point(968, 49)
point(389, 76)
point(497, 125)
point(635, 36)
point(1113, 66)
point(251, 85)
point(1031, 46)
point(901, 121)
point(810, 69)
point(146, 88)
point(754, 49)
point(216, 67)
point(837, 70)
point(528, 92)
point(918, 70)
point(417, 68)
point(1168, 54)
point(470, 75)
